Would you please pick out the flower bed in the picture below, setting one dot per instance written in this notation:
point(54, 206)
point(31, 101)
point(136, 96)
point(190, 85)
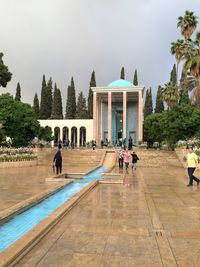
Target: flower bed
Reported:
point(16, 154)
point(194, 142)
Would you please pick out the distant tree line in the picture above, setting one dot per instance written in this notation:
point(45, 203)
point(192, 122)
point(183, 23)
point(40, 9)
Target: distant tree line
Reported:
point(50, 106)
point(180, 119)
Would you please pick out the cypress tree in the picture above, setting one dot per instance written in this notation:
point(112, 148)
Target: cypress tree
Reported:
point(49, 96)
point(150, 102)
point(81, 109)
point(186, 83)
point(68, 112)
point(36, 107)
point(148, 105)
point(122, 75)
point(173, 75)
point(18, 93)
point(90, 96)
point(135, 79)
point(71, 101)
point(44, 105)
point(57, 104)
point(159, 101)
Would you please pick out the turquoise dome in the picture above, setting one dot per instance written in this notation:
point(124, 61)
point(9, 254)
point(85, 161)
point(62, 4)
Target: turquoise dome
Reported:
point(120, 83)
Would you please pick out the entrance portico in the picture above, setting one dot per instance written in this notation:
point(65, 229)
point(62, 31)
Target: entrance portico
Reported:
point(117, 112)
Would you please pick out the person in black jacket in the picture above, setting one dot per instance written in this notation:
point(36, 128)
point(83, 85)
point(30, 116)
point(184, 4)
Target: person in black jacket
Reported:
point(134, 161)
point(58, 160)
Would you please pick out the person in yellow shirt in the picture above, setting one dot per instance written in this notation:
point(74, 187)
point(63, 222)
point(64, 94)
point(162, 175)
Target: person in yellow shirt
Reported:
point(192, 161)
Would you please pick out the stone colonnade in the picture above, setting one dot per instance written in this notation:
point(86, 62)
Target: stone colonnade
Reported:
point(72, 129)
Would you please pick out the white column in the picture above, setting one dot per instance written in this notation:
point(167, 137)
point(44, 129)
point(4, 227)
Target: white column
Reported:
point(100, 122)
point(124, 113)
point(97, 119)
point(140, 117)
point(110, 117)
point(78, 137)
point(61, 134)
point(69, 135)
point(94, 115)
point(52, 141)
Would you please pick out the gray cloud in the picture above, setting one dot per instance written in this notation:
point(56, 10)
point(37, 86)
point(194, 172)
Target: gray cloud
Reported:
point(64, 38)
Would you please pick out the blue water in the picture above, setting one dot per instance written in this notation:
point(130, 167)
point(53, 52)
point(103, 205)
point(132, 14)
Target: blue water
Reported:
point(24, 222)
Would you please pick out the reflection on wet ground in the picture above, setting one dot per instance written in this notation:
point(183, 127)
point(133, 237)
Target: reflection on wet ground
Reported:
point(150, 220)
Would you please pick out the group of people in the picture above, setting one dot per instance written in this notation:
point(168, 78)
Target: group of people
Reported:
point(126, 157)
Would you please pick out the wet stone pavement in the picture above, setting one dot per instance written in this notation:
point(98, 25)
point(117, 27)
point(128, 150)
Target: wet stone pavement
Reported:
point(19, 184)
point(150, 220)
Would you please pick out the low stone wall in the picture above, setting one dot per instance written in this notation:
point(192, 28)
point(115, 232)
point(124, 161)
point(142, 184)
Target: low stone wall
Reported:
point(17, 164)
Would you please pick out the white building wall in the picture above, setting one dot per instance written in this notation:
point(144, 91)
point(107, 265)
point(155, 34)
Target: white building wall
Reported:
point(88, 124)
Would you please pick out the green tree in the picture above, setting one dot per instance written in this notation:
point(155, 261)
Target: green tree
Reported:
point(187, 84)
point(71, 101)
point(170, 94)
point(44, 105)
point(18, 93)
point(122, 75)
point(90, 96)
point(192, 64)
point(173, 76)
point(45, 133)
point(36, 107)
point(154, 128)
point(57, 104)
point(148, 105)
point(188, 51)
point(135, 79)
point(177, 49)
point(49, 96)
point(5, 75)
point(187, 24)
point(18, 120)
point(81, 109)
point(180, 123)
point(159, 101)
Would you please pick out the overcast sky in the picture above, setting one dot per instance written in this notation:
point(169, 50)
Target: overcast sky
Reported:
point(64, 38)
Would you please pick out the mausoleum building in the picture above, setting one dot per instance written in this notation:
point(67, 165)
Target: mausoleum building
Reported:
point(117, 116)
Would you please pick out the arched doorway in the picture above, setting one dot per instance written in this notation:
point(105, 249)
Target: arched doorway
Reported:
point(56, 136)
point(82, 136)
point(73, 136)
point(65, 136)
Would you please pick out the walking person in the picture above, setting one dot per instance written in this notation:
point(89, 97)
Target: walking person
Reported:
point(126, 159)
point(192, 161)
point(134, 162)
point(121, 157)
point(58, 160)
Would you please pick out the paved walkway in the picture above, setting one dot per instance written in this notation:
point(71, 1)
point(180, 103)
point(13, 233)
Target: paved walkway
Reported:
point(18, 184)
point(151, 220)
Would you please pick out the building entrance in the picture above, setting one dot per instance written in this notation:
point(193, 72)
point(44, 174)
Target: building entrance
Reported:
point(119, 127)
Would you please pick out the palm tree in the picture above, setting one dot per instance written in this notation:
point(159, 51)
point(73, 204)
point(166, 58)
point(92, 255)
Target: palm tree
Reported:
point(187, 24)
point(177, 49)
point(170, 94)
point(192, 63)
point(197, 41)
